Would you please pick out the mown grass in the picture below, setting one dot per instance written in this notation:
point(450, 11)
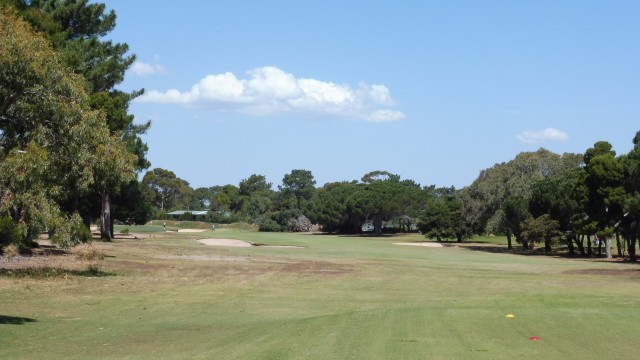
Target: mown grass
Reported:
point(339, 297)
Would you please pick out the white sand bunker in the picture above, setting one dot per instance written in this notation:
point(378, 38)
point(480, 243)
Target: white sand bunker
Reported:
point(191, 230)
point(241, 243)
point(225, 242)
point(427, 244)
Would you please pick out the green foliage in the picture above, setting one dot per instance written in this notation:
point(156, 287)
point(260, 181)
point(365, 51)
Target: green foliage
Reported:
point(167, 190)
point(300, 185)
point(70, 231)
point(540, 229)
point(269, 225)
point(442, 219)
point(8, 232)
point(187, 216)
point(483, 200)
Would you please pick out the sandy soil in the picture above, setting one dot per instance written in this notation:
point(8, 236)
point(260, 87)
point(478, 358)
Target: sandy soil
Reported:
point(192, 230)
point(428, 244)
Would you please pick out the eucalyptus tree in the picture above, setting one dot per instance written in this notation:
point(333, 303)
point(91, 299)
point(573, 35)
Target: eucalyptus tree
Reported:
point(76, 29)
point(45, 109)
point(482, 201)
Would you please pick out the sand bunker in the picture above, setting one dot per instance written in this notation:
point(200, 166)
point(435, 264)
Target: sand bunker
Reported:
point(191, 230)
point(427, 244)
point(241, 243)
point(225, 242)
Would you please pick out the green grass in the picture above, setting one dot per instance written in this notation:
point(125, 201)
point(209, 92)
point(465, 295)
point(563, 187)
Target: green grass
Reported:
point(339, 297)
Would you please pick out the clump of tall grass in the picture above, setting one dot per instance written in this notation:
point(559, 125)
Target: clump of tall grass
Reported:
point(88, 252)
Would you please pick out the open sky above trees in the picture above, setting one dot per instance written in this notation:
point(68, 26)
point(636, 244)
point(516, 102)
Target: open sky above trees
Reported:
point(433, 91)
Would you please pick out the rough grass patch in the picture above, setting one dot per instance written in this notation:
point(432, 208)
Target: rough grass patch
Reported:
point(92, 270)
point(88, 252)
point(11, 250)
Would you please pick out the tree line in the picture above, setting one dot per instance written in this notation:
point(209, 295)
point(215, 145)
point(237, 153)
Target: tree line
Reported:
point(70, 154)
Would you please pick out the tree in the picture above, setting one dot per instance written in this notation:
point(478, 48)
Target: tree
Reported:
point(442, 219)
point(515, 211)
point(75, 29)
point(299, 184)
point(631, 219)
point(256, 197)
point(606, 194)
point(482, 200)
point(168, 190)
point(329, 208)
point(45, 110)
point(562, 197)
point(540, 229)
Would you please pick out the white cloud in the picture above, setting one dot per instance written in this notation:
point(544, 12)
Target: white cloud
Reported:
point(144, 69)
point(268, 90)
point(534, 137)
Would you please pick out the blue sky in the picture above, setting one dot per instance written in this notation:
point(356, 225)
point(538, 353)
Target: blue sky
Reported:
point(434, 91)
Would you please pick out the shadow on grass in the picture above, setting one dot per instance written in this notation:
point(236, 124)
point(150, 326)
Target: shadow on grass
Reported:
point(54, 272)
point(14, 320)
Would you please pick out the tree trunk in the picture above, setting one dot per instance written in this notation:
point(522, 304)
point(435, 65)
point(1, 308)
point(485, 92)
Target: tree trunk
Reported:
point(547, 246)
point(607, 247)
point(589, 249)
point(105, 217)
point(580, 242)
point(509, 244)
point(572, 250)
point(633, 238)
point(377, 226)
point(619, 245)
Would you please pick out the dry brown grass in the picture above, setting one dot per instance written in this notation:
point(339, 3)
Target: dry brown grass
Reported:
point(88, 252)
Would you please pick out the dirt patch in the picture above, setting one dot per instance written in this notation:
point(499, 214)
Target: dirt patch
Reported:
point(427, 244)
point(616, 272)
point(203, 258)
point(36, 261)
point(312, 267)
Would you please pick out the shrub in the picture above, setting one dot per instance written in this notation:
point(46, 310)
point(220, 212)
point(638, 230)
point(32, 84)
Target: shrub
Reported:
point(269, 225)
point(124, 231)
point(70, 232)
point(9, 232)
point(300, 224)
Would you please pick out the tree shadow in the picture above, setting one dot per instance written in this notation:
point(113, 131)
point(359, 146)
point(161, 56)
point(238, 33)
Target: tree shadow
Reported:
point(15, 320)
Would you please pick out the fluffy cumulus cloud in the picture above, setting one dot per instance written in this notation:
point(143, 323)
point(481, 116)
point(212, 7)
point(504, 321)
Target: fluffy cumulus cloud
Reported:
point(144, 69)
point(548, 134)
point(269, 90)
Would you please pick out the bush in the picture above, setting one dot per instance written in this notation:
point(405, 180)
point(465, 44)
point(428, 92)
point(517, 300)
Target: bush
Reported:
point(269, 225)
point(71, 232)
point(124, 231)
point(186, 216)
point(300, 224)
point(9, 232)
